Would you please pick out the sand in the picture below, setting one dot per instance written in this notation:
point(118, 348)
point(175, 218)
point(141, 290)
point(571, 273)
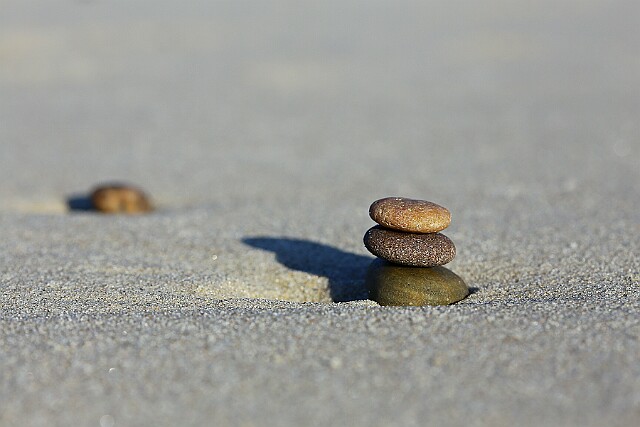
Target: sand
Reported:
point(263, 130)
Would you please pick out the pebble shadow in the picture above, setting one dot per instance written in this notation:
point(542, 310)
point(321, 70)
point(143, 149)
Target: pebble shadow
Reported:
point(344, 270)
point(79, 202)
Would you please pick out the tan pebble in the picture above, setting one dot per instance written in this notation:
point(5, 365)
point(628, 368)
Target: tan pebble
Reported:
point(413, 216)
point(420, 250)
point(120, 199)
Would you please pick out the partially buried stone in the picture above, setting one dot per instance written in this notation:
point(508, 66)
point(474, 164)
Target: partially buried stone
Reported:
point(413, 216)
point(119, 198)
point(419, 250)
point(391, 284)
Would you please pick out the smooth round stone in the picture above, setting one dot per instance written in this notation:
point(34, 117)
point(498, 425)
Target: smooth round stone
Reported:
point(413, 216)
point(419, 250)
point(392, 284)
point(120, 199)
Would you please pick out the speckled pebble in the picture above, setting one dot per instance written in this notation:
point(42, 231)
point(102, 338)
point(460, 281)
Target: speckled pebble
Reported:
point(120, 199)
point(392, 284)
point(419, 250)
point(414, 216)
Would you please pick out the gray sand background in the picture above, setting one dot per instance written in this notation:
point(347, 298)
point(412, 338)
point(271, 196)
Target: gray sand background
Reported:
point(263, 130)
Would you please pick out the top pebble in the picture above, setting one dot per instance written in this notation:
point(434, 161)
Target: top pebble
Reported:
point(414, 216)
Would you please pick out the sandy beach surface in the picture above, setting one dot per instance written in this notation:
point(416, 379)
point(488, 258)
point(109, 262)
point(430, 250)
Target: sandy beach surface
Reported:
point(263, 130)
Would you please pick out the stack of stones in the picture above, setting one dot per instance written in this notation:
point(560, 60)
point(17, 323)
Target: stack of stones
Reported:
point(411, 252)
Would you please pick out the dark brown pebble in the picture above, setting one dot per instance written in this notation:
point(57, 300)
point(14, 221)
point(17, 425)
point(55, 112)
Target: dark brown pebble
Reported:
point(120, 199)
point(420, 250)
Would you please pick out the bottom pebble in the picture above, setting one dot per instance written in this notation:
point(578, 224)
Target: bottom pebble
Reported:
point(393, 284)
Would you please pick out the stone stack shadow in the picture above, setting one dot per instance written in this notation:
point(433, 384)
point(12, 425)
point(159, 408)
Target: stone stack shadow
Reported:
point(344, 270)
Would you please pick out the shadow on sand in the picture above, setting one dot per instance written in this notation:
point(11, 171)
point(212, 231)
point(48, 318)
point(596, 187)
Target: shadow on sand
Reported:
point(344, 270)
point(79, 202)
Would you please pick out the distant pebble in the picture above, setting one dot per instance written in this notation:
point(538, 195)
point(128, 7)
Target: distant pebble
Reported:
point(413, 216)
point(392, 284)
point(420, 250)
point(120, 199)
